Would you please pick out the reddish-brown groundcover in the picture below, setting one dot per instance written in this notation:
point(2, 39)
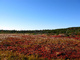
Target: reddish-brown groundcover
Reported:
point(39, 47)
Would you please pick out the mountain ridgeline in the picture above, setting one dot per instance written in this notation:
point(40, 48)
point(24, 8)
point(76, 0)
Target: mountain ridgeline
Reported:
point(65, 31)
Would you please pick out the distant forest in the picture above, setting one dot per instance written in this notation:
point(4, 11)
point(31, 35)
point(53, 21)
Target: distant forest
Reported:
point(66, 31)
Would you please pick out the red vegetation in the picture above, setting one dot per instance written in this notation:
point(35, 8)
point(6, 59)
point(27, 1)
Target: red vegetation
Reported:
point(43, 46)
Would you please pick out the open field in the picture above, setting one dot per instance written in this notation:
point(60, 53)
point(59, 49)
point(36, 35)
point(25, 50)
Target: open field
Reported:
point(39, 47)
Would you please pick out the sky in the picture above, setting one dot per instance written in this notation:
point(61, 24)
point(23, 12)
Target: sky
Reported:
point(39, 14)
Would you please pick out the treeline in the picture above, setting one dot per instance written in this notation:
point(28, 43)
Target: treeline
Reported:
point(66, 31)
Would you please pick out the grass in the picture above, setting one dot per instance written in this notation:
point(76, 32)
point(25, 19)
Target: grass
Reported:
point(38, 47)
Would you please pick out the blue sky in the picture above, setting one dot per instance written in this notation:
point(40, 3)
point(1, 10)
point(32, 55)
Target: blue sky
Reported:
point(39, 14)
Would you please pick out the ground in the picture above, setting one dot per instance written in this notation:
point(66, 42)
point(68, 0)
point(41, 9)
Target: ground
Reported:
point(39, 47)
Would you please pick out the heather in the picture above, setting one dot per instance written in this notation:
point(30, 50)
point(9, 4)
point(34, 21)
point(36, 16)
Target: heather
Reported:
point(39, 47)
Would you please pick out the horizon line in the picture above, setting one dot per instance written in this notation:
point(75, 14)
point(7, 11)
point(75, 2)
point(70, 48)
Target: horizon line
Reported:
point(38, 29)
